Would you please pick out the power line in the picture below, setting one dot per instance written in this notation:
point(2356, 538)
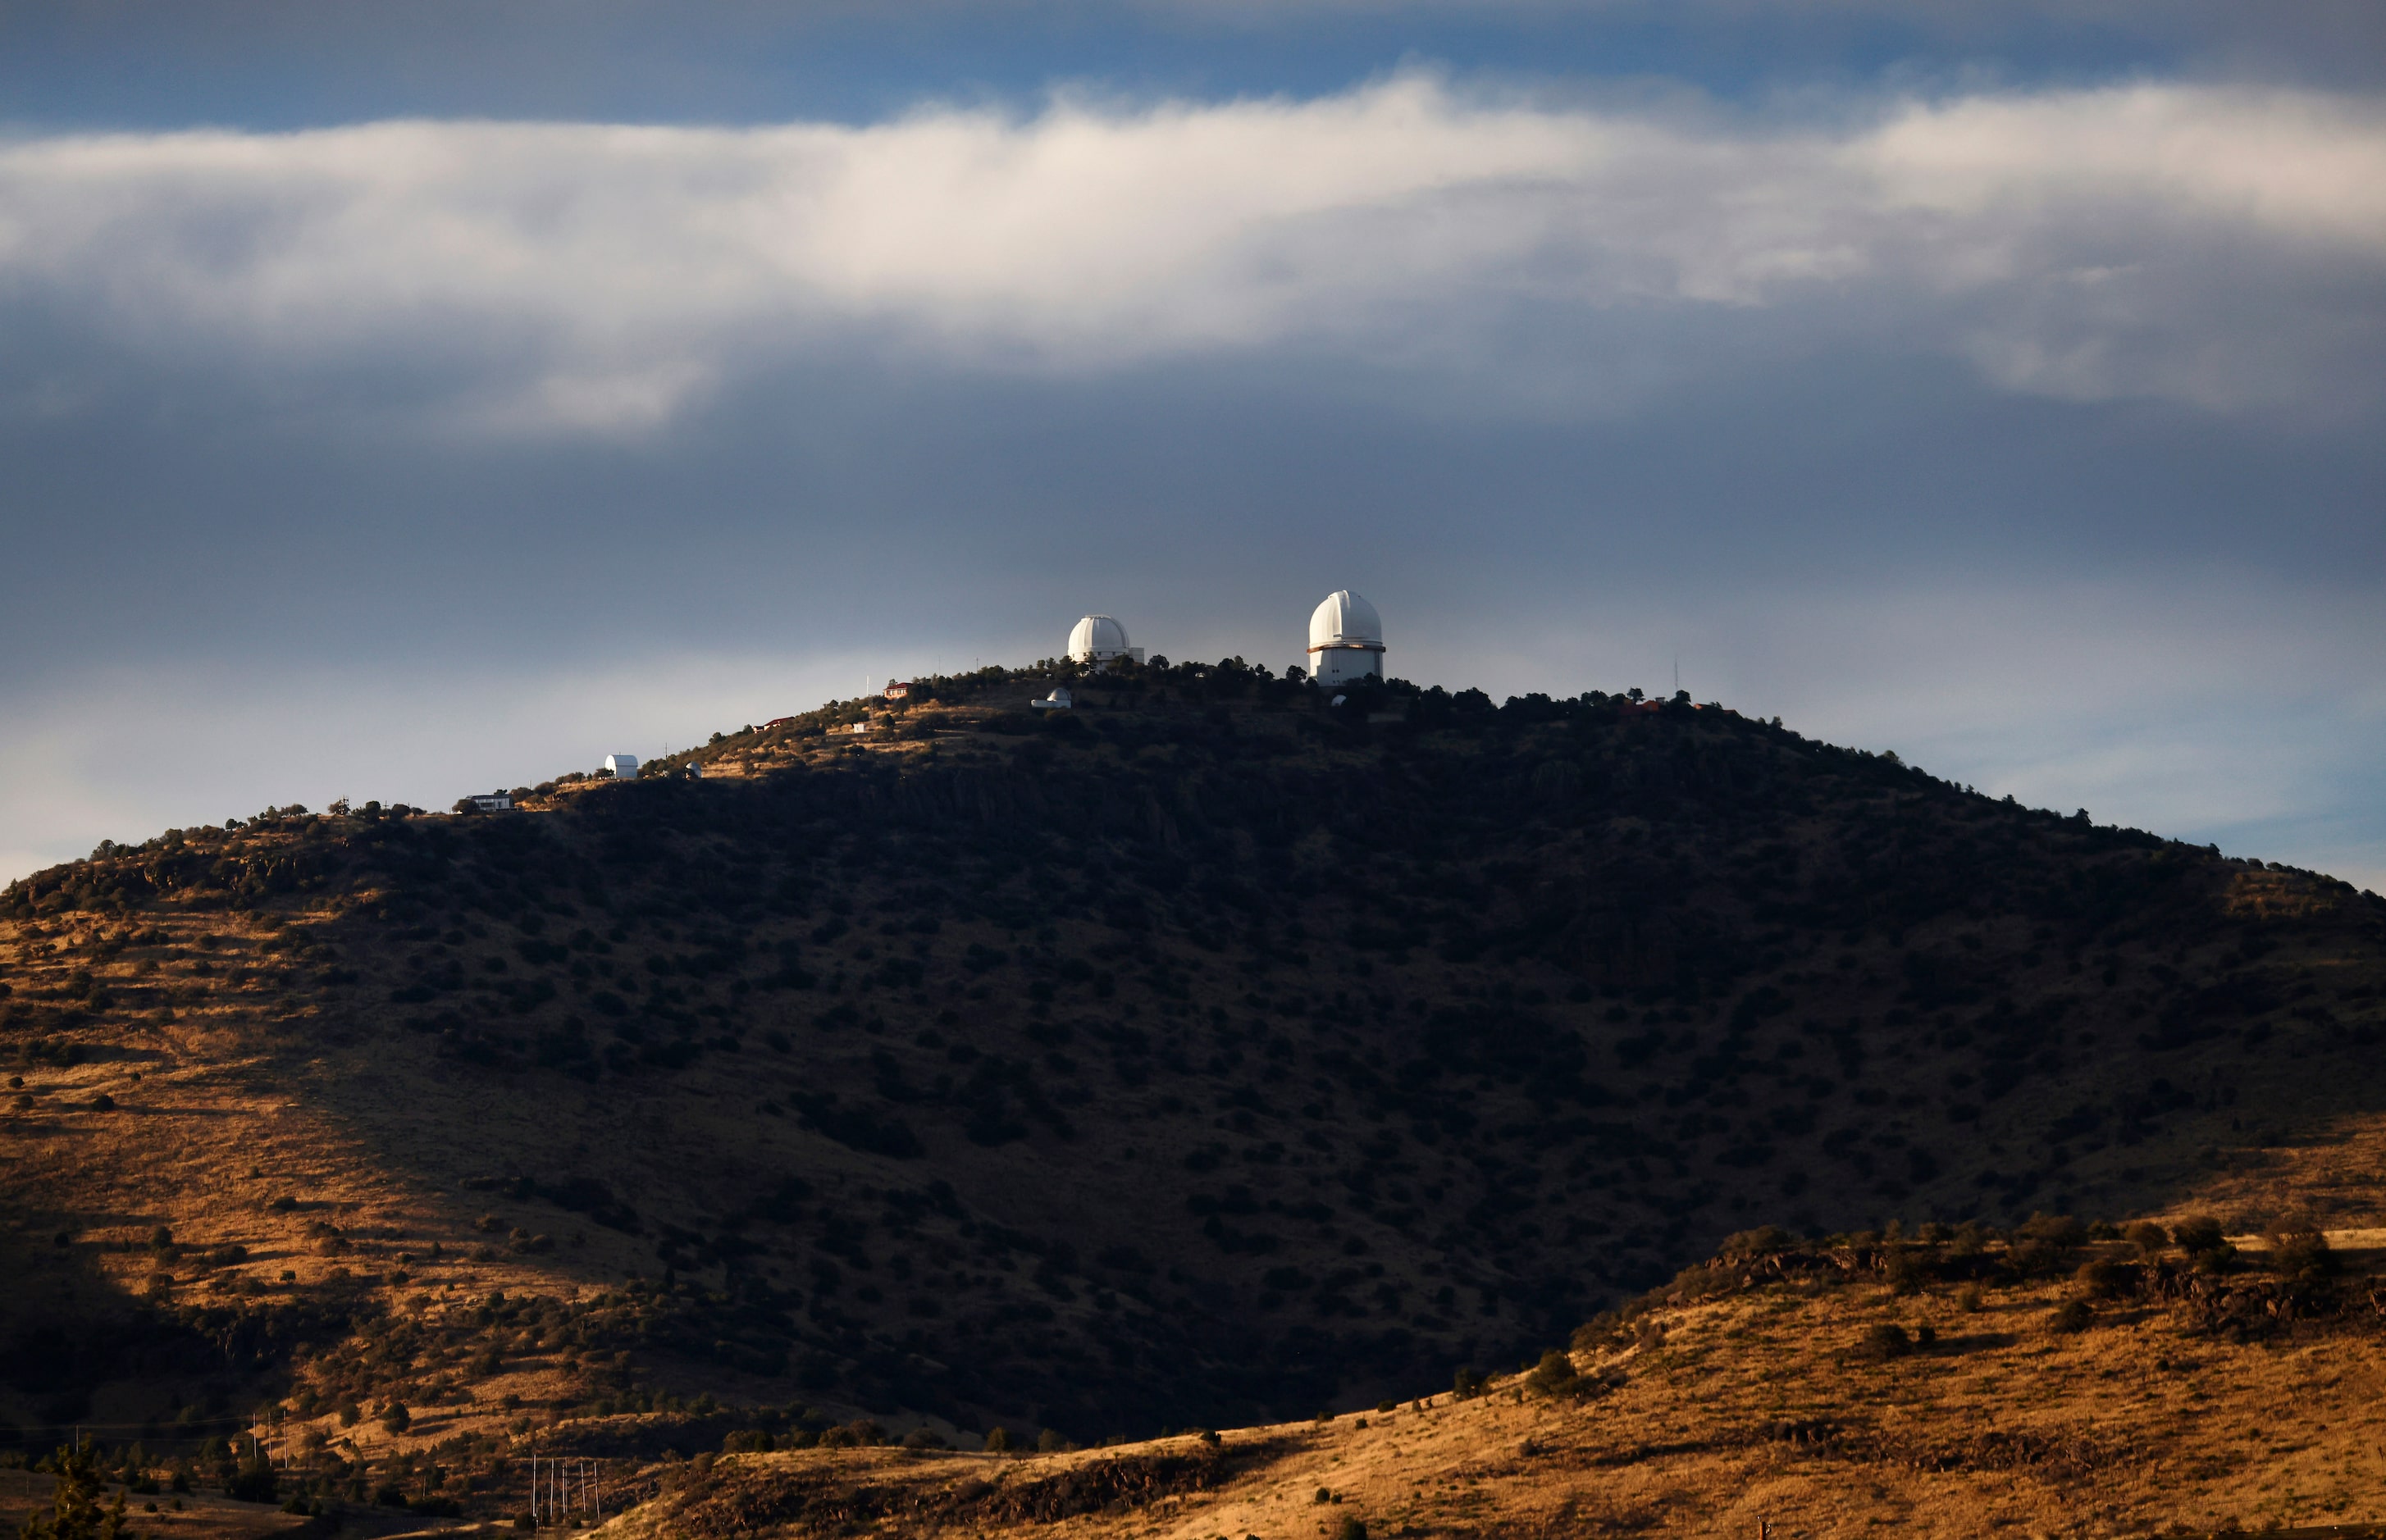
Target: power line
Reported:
point(159, 1429)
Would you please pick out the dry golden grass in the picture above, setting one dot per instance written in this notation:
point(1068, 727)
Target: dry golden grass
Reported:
point(199, 1516)
point(194, 1517)
point(239, 1082)
point(1730, 1412)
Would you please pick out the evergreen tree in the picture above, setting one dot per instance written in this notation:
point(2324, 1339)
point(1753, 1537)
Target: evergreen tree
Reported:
point(75, 1511)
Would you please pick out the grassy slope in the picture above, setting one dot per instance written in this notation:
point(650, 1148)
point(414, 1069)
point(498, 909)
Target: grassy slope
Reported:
point(1746, 1393)
point(1211, 1059)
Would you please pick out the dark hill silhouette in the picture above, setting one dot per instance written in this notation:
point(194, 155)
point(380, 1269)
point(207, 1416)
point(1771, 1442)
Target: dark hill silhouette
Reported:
point(1206, 1053)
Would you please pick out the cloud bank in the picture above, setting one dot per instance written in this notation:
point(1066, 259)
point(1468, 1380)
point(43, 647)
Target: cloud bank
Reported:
point(2217, 247)
point(2030, 433)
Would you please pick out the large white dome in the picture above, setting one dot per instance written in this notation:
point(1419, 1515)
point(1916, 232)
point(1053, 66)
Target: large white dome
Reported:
point(1345, 640)
point(1345, 620)
point(1097, 639)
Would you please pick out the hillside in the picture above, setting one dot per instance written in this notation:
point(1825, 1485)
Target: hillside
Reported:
point(1946, 1385)
point(1947, 1380)
point(1207, 1055)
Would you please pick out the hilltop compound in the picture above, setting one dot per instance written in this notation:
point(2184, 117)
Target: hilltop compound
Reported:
point(1345, 640)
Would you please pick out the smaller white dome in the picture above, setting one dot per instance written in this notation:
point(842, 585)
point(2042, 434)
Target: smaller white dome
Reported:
point(1345, 620)
point(1097, 639)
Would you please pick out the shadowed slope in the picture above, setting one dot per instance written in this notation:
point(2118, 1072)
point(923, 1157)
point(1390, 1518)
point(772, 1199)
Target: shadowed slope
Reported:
point(1205, 1055)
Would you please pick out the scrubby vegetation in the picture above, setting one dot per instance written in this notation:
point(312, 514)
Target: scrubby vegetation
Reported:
point(2293, 1288)
point(1207, 1054)
point(1934, 1380)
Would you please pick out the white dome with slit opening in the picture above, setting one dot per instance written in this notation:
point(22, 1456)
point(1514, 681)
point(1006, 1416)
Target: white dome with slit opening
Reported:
point(1345, 620)
point(1345, 640)
point(1100, 639)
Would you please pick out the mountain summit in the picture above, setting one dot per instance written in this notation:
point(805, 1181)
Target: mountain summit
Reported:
point(1205, 1053)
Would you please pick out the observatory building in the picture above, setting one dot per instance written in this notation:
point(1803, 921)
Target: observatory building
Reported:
point(1099, 639)
point(1345, 640)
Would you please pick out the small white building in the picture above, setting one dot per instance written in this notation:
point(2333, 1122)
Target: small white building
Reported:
point(496, 802)
point(1098, 639)
point(622, 767)
point(1059, 700)
point(1345, 640)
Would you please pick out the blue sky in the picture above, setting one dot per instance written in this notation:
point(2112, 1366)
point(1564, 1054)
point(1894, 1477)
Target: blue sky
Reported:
point(406, 400)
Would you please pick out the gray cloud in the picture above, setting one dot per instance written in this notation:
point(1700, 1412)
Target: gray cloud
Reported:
point(527, 279)
point(2031, 434)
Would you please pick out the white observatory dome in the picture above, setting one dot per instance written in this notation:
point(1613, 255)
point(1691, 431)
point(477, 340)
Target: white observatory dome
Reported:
point(1099, 639)
point(1345, 640)
point(1345, 618)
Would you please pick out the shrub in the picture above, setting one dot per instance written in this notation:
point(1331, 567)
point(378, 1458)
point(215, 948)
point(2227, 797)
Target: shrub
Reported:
point(396, 1417)
point(2147, 1236)
point(2105, 1279)
point(861, 1432)
point(1883, 1342)
point(2071, 1316)
point(2043, 1245)
point(1049, 1442)
point(2300, 1251)
point(924, 1438)
point(2199, 1235)
point(254, 1481)
point(1467, 1383)
point(2059, 1230)
point(1350, 1529)
point(998, 1440)
point(1554, 1377)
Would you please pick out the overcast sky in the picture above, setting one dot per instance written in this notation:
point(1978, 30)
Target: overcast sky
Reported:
point(398, 401)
